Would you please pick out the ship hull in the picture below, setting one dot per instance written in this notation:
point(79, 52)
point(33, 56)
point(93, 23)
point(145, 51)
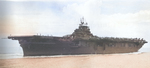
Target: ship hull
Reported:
point(68, 49)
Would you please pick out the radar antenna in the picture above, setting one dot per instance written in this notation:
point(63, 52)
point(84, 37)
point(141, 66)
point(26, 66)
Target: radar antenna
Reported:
point(82, 20)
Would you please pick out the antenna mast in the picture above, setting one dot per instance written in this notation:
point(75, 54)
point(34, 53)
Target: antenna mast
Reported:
point(82, 22)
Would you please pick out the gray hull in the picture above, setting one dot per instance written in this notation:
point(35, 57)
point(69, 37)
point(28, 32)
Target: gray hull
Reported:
point(70, 49)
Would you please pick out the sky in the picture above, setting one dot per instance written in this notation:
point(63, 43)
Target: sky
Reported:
point(106, 18)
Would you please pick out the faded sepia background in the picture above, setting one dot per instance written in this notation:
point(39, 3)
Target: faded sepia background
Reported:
point(106, 18)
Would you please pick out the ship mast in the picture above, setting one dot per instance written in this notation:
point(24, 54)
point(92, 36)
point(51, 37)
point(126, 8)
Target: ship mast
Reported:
point(82, 22)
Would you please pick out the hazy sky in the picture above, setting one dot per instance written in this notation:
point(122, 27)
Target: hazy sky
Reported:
point(111, 18)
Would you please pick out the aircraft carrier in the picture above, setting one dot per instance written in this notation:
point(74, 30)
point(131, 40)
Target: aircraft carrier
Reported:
point(81, 41)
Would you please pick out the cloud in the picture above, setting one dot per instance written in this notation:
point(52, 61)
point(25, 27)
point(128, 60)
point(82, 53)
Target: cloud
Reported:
point(87, 9)
point(126, 0)
point(127, 21)
point(71, 0)
point(124, 7)
point(29, 18)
